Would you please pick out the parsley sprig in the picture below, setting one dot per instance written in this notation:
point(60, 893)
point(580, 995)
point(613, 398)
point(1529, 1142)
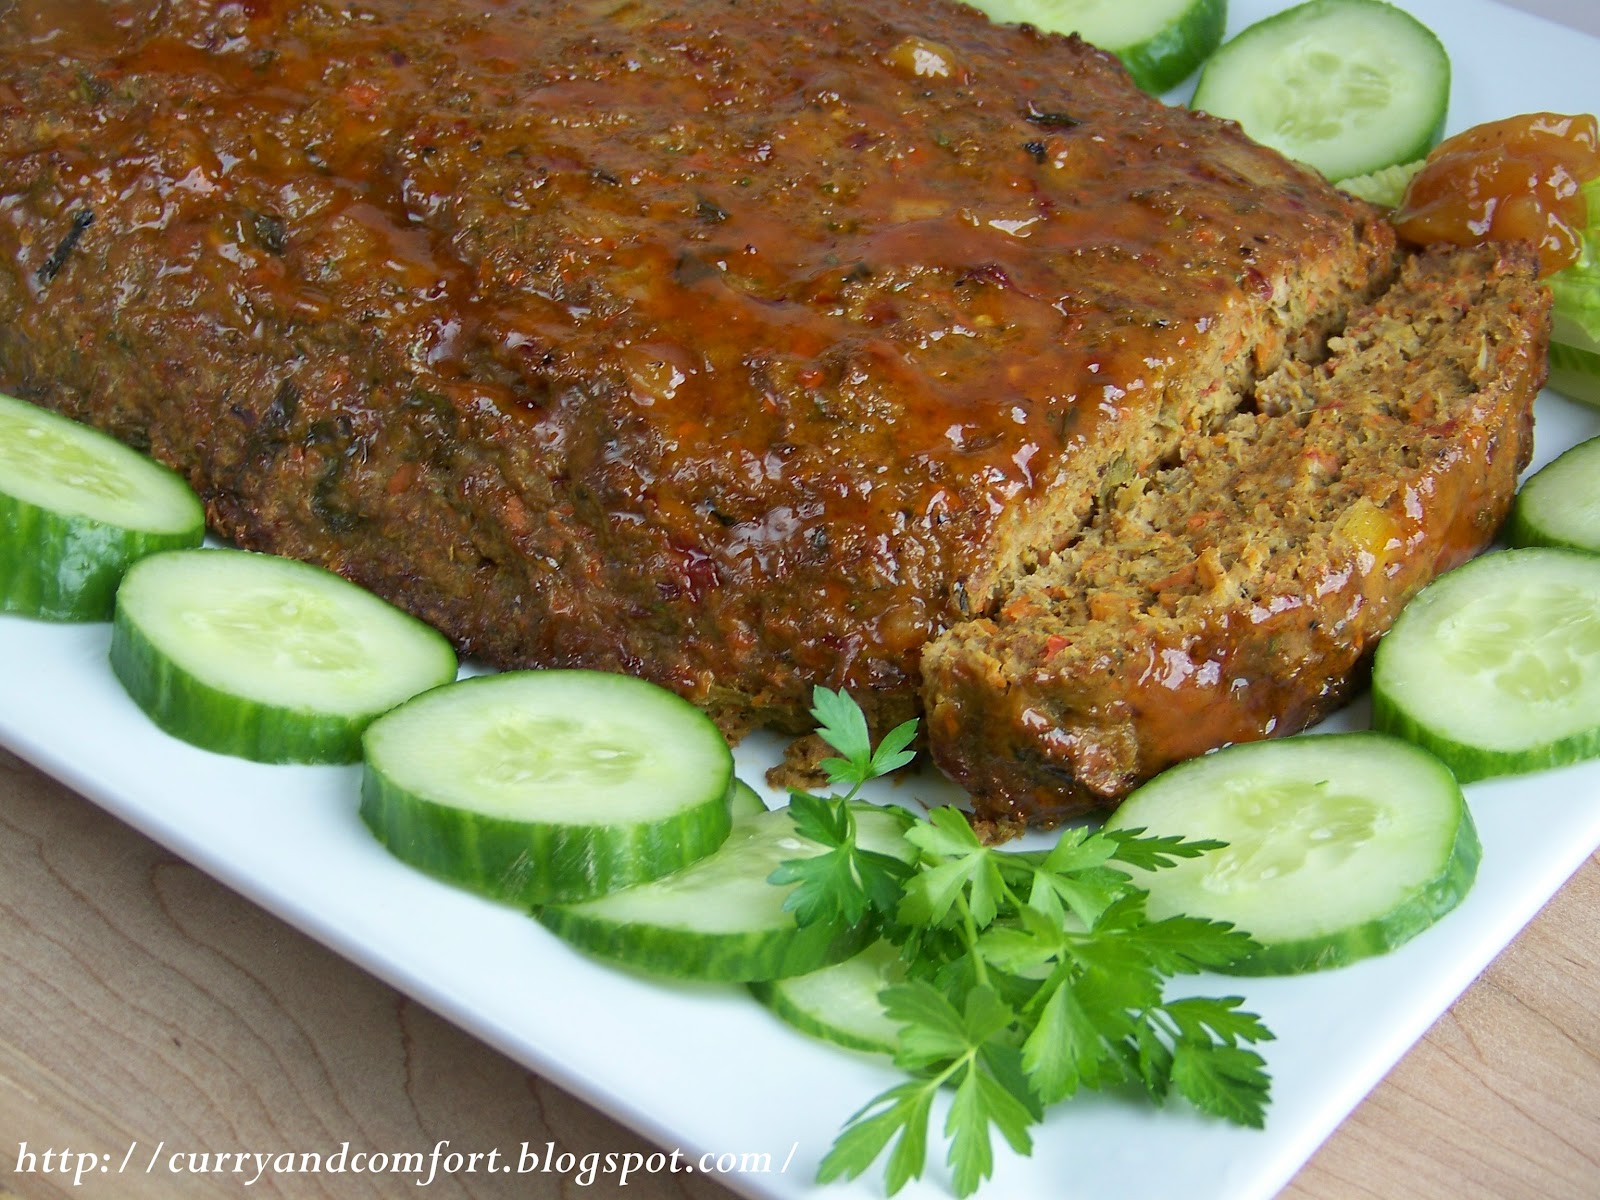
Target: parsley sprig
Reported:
point(1028, 976)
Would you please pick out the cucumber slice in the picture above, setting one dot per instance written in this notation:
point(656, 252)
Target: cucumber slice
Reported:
point(840, 1004)
point(266, 658)
point(744, 800)
point(720, 919)
point(1160, 42)
point(536, 786)
point(76, 507)
point(1346, 86)
point(1340, 846)
point(1495, 666)
point(1559, 505)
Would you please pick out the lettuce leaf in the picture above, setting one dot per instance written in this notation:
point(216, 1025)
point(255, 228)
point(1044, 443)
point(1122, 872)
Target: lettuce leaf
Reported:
point(1384, 187)
point(1575, 355)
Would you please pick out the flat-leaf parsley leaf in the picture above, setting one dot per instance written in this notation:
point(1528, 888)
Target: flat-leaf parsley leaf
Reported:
point(1027, 977)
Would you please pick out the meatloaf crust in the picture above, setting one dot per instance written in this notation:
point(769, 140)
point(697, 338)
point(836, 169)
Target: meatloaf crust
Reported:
point(745, 346)
point(1233, 595)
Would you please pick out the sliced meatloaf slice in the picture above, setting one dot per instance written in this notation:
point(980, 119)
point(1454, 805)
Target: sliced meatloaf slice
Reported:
point(1232, 594)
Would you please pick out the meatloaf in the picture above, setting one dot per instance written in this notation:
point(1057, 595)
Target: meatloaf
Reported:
point(745, 345)
point(1232, 594)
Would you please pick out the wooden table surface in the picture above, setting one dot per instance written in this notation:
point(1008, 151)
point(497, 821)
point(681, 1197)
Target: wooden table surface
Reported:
point(142, 1002)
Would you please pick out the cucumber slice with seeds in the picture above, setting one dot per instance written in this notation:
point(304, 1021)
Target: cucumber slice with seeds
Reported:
point(1346, 86)
point(76, 508)
point(1340, 846)
point(1559, 505)
point(720, 919)
point(266, 658)
point(538, 786)
point(1495, 666)
point(1160, 42)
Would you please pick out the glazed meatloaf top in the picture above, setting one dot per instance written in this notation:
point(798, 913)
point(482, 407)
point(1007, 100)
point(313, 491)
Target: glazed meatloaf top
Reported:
point(741, 345)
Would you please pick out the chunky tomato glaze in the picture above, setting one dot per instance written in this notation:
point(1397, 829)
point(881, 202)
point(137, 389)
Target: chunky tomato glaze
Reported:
point(1516, 179)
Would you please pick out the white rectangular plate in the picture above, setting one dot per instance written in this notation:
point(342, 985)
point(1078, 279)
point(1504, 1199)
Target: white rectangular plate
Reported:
point(706, 1069)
